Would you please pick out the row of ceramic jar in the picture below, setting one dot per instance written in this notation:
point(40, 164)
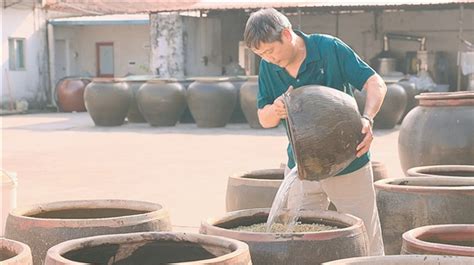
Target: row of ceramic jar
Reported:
point(212, 101)
point(132, 232)
point(430, 195)
point(399, 100)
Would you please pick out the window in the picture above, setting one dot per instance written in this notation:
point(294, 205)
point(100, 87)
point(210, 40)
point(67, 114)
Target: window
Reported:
point(16, 48)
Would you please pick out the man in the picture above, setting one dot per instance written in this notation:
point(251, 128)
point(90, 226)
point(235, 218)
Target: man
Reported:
point(292, 59)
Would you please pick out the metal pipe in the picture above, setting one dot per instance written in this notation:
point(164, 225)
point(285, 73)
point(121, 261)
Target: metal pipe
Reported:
point(461, 17)
point(52, 69)
point(299, 18)
point(420, 39)
point(385, 43)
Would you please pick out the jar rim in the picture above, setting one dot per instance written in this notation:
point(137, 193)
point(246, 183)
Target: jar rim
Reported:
point(446, 95)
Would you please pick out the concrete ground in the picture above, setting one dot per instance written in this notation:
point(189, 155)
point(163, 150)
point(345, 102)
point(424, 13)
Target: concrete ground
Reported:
point(63, 156)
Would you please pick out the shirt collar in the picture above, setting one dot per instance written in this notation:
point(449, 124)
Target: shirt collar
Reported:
point(311, 45)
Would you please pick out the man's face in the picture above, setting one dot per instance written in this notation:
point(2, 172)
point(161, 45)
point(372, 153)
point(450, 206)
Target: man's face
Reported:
point(277, 52)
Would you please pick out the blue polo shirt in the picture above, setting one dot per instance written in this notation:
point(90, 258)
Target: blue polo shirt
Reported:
point(329, 62)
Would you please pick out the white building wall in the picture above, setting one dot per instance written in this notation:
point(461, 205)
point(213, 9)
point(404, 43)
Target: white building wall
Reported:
point(131, 44)
point(29, 84)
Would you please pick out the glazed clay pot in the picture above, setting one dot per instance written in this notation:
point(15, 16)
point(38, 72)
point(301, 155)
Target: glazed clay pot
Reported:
point(348, 240)
point(404, 260)
point(150, 248)
point(107, 101)
point(211, 101)
point(379, 170)
point(407, 203)
point(162, 102)
point(257, 189)
point(439, 131)
point(451, 240)
point(70, 94)
point(238, 114)
point(442, 171)
point(324, 128)
point(45, 225)
point(186, 117)
point(134, 114)
point(248, 101)
point(254, 189)
point(412, 92)
point(14, 253)
point(392, 107)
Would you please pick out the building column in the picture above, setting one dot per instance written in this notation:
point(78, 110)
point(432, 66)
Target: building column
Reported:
point(52, 71)
point(167, 48)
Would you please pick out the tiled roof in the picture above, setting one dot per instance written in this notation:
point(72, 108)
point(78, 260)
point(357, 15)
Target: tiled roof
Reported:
point(140, 6)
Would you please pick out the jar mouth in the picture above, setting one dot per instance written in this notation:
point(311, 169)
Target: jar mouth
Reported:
point(107, 80)
point(162, 80)
point(211, 79)
point(459, 98)
point(446, 95)
point(252, 78)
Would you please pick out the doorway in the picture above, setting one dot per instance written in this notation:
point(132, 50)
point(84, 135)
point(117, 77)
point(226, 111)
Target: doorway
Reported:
point(60, 59)
point(105, 59)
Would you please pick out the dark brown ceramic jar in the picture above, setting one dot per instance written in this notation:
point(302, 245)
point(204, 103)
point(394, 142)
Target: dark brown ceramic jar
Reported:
point(392, 107)
point(70, 94)
point(325, 129)
point(440, 131)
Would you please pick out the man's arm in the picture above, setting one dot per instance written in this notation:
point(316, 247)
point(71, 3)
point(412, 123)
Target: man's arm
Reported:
point(376, 90)
point(270, 115)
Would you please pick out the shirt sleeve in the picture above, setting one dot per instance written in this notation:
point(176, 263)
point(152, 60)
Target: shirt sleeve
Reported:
point(353, 69)
point(263, 95)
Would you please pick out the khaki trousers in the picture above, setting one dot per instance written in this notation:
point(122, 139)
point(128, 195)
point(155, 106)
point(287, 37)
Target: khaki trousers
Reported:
point(351, 193)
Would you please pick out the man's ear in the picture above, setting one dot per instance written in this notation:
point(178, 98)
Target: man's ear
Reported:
point(286, 34)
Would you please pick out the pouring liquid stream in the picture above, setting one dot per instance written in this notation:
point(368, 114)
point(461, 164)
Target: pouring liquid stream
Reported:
point(279, 213)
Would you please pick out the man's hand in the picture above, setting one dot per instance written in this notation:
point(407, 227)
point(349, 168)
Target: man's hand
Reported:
point(278, 105)
point(364, 146)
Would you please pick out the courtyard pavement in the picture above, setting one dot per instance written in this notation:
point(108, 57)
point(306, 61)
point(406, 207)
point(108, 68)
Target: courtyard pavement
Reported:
point(63, 156)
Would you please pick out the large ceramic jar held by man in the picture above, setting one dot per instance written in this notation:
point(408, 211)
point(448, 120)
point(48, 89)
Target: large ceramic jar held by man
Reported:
point(211, 101)
point(248, 101)
point(440, 131)
point(162, 101)
point(107, 101)
point(324, 128)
